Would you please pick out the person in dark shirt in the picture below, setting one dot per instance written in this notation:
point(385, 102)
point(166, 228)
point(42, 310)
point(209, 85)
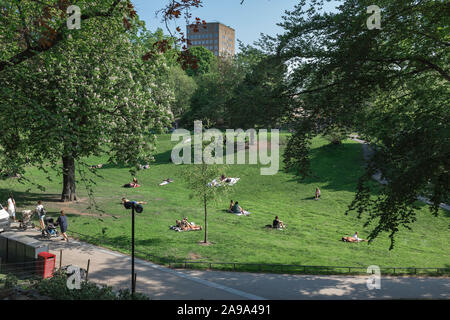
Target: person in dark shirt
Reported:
point(62, 223)
point(277, 224)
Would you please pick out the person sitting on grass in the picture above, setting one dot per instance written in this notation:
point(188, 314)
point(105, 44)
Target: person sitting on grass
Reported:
point(317, 193)
point(238, 209)
point(277, 224)
point(357, 238)
point(231, 206)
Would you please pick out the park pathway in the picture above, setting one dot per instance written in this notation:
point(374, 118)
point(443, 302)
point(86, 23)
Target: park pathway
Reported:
point(161, 283)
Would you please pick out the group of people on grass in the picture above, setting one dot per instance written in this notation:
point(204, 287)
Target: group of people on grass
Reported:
point(236, 208)
point(182, 224)
point(185, 225)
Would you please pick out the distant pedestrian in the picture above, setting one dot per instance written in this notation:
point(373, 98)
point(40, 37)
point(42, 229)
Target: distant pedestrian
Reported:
point(41, 212)
point(63, 224)
point(12, 207)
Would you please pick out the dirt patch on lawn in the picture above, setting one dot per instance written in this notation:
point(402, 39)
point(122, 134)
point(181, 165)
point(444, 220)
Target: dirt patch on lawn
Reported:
point(202, 243)
point(194, 256)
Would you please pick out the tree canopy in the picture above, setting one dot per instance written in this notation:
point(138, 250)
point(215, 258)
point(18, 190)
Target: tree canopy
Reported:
point(204, 61)
point(389, 85)
point(91, 94)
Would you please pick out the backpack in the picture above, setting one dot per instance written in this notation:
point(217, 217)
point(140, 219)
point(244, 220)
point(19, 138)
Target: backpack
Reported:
point(139, 208)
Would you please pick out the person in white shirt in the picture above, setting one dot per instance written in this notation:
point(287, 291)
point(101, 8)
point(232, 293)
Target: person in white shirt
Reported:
point(12, 207)
point(41, 213)
point(357, 238)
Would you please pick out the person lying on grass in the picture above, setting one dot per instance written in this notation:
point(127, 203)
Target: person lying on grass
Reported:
point(185, 225)
point(224, 178)
point(133, 184)
point(166, 181)
point(355, 238)
point(277, 224)
point(125, 201)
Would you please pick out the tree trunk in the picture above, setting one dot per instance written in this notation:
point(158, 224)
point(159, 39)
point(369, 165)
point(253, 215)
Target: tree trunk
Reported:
point(206, 222)
point(68, 193)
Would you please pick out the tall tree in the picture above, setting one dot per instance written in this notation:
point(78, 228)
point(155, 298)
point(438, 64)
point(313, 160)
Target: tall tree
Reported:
point(199, 178)
point(389, 84)
point(91, 94)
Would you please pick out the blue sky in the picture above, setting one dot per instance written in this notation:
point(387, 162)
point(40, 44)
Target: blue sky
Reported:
point(249, 19)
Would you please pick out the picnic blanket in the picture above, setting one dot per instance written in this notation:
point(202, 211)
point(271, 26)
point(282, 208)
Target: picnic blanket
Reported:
point(246, 213)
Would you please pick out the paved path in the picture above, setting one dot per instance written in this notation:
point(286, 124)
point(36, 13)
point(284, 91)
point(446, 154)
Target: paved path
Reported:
point(112, 268)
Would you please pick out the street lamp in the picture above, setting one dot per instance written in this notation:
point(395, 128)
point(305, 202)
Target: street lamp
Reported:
point(133, 275)
point(132, 205)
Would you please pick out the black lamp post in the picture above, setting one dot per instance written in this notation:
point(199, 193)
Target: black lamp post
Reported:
point(132, 205)
point(133, 276)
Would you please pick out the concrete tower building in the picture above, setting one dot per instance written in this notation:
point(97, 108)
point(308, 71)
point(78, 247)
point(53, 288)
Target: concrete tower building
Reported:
point(216, 37)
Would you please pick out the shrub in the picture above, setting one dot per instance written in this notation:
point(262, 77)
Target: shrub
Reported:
point(335, 134)
point(56, 288)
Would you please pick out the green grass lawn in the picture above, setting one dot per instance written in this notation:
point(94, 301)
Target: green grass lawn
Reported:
point(314, 228)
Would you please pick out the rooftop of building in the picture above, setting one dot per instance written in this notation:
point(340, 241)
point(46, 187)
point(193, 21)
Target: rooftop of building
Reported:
point(214, 22)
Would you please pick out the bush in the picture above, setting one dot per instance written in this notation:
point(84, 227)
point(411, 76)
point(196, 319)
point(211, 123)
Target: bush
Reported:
point(10, 281)
point(335, 134)
point(56, 288)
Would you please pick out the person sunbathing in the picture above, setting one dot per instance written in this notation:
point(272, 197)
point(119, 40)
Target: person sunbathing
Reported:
point(277, 224)
point(166, 181)
point(133, 184)
point(185, 225)
point(127, 202)
point(355, 238)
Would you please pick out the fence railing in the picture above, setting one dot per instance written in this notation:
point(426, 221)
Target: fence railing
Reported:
point(264, 267)
point(280, 268)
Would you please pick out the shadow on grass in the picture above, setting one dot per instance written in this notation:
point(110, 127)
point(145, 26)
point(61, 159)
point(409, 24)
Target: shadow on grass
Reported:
point(334, 167)
point(29, 198)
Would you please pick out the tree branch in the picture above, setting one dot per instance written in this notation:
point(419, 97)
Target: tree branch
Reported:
point(35, 50)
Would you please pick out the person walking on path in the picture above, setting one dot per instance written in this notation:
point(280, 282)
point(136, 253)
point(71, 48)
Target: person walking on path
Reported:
point(12, 207)
point(41, 212)
point(62, 223)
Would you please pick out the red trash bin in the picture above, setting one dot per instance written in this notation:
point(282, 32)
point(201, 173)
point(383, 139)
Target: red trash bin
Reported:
point(46, 265)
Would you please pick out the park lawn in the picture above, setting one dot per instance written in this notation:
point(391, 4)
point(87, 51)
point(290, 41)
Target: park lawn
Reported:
point(314, 228)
